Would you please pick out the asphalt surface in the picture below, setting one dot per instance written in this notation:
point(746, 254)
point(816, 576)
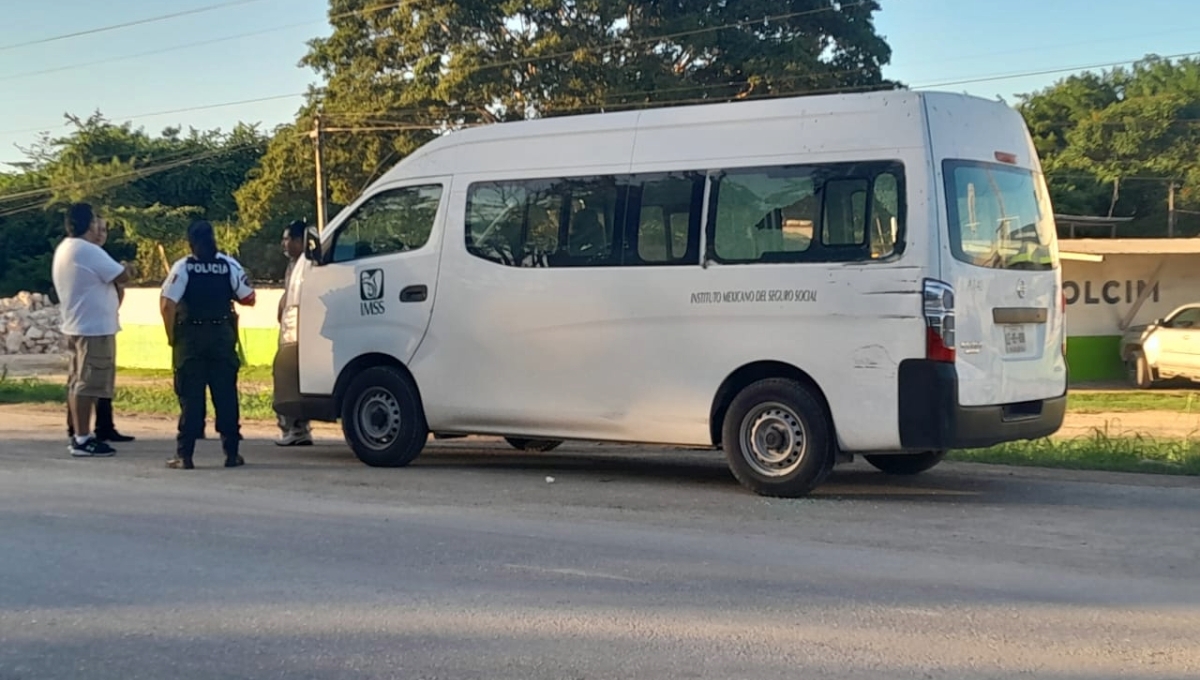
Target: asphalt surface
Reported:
point(586, 562)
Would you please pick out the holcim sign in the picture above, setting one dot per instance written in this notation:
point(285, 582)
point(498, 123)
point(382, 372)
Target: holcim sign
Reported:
point(1111, 284)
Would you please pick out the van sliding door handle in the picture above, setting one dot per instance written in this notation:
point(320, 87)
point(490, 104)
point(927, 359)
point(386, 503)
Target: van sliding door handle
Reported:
point(414, 294)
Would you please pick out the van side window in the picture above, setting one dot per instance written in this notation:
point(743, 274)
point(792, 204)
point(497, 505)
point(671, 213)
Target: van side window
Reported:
point(392, 221)
point(545, 223)
point(592, 222)
point(761, 213)
point(885, 209)
point(844, 222)
point(514, 223)
point(664, 219)
point(839, 212)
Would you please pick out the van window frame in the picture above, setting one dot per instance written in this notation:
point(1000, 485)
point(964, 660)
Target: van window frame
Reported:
point(328, 251)
point(818, 251)
point(953, 230)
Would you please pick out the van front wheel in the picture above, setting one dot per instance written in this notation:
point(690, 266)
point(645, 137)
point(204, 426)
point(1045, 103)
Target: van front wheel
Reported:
point(382, 418)
point(777, 438)
point(906, 463)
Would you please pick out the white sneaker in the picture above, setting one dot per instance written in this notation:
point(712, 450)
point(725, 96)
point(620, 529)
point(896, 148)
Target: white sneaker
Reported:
point(295, 439)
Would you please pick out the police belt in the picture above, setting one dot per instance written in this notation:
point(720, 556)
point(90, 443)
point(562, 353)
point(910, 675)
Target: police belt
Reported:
point(219, 321)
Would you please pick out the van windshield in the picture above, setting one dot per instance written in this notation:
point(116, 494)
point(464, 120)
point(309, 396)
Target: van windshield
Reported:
point(999, 216)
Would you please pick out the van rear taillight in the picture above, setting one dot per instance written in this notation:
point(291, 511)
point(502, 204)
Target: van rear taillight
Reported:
point(939, 320)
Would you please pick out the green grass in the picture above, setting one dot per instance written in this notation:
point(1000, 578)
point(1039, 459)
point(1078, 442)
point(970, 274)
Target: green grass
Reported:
point(248, 374)
point(1097, 451)
point(152, 399)
point(30, 391)
point(1120, 401)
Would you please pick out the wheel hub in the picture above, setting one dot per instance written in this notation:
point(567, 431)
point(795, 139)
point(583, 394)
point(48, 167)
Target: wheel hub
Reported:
point(774, 440)
point(379, 418)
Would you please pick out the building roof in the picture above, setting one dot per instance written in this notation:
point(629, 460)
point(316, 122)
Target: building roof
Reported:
point(1130, 246)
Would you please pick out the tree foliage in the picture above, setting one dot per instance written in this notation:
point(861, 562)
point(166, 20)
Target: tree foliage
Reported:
point(1135, 129)
point(148, 187)
point(394, 75)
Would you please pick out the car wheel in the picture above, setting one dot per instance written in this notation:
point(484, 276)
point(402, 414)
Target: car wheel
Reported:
point(382, 418)
point(1139, 371)
point(777, 438)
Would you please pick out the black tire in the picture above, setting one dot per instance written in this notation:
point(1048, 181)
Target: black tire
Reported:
point(906, 463)
point(533, 444)
point(382, 418)
point(789, 417)
point(1139, 371)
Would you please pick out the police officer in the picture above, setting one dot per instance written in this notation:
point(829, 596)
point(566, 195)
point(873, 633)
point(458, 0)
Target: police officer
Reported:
point(201, 324)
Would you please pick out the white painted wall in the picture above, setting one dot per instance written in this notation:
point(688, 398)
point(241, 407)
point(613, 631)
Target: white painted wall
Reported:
point(140, 308)
point(1099, 294)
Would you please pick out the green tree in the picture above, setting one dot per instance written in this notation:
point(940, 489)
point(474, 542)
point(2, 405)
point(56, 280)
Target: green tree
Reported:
point(149, 187)
point(397, 74)
point(1134, 130)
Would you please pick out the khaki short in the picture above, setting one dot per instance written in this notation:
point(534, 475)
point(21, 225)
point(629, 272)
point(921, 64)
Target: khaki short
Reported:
point(92, 365)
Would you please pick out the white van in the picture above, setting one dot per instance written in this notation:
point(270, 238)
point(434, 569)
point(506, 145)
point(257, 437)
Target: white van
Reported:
point(793, 280)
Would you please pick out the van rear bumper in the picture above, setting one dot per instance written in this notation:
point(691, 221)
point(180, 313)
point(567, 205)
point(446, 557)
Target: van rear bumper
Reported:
point(289, 401)
point(932, 419)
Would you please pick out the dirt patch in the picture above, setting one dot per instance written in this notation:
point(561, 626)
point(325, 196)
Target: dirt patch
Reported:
point(1153, 424)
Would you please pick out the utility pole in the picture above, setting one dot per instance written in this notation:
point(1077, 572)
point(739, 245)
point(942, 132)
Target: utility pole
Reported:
point(1171, 210)
point(316, 137)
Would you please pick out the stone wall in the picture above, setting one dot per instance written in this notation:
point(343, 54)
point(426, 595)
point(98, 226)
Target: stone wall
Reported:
point(29, 324)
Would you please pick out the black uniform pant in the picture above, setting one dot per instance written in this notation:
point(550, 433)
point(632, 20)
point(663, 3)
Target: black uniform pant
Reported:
point(104, 419)
point(206, 363)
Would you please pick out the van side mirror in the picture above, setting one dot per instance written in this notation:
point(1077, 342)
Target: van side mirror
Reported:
point(312, 245)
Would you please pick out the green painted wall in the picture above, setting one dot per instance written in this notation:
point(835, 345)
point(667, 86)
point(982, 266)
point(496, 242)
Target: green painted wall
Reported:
point(146, 346)
point(1089, 358)
point(1094, 357)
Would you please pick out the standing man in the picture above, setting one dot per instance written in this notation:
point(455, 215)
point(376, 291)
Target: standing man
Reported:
point(87, 281)
point(201, 324)
point(294, 432)
point(106, 430)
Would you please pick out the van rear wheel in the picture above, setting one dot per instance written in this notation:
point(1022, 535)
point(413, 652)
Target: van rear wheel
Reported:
point(382, 418)
point(906, 463)
point(776, 438)
point(533, 444)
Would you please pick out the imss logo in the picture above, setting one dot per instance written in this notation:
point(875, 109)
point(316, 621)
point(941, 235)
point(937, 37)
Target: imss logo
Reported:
point(370, 292)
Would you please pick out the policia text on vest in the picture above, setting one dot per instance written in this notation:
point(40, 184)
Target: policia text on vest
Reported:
point(201, 324)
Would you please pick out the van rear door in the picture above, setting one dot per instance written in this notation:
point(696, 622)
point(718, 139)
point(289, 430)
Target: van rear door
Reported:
point(1007, 283)
point(999, 254)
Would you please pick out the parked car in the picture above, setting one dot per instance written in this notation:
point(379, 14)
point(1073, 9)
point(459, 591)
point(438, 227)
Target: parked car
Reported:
point(1165, 348)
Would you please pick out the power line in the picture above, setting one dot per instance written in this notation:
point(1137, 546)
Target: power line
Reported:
point(129, 176)
point(127, 24)
point(138, 55)
point(1046, 72)
point(647, 40)
point(397, 5)
point(211, 41)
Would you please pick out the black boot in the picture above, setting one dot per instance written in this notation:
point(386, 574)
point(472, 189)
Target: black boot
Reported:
point(181, 463)
point(234, 460)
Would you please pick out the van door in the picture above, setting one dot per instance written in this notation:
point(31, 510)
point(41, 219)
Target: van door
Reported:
point(1007, 282)
point(373, 289)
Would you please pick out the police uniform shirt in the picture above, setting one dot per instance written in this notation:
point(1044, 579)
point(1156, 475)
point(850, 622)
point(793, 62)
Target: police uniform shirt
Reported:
point(188, 269)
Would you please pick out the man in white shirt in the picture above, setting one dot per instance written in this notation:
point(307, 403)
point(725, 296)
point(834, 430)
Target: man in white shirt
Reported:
point(86, 279)
point(294, 432)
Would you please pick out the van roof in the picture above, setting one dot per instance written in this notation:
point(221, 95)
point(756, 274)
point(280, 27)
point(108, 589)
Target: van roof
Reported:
point(898, 103)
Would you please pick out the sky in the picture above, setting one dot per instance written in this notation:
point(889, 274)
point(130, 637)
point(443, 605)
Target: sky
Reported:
point(250, 49)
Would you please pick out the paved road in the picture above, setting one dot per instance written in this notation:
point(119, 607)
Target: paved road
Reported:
point(630, 564)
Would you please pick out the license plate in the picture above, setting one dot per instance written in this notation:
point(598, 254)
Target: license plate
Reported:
point(1014, 340)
